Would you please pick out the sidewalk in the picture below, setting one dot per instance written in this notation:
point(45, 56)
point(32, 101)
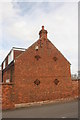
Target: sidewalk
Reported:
point(45, 102)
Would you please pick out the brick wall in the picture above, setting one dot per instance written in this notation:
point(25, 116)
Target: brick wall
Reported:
point(75, 87)
point(47, 90)
point(7, 96)
point(17, 53)
point(27, 69)
point(29, 92)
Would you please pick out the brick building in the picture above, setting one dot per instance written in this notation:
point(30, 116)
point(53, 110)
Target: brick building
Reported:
point(38, 73)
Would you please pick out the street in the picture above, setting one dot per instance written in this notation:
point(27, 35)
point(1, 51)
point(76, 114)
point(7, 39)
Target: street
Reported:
point(53, 110)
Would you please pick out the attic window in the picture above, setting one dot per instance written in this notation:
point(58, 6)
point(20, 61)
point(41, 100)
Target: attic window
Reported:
point(56, 81)
point(55, 58)
point(37, 82)
point(37, 57)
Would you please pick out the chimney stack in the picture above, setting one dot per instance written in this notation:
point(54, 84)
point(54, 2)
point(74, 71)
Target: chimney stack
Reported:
point(43, 33)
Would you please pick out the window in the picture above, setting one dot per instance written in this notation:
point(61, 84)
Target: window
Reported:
point(4, 64)
point(7, 80)
point(55, 58)
point(56, 81)
point(36, 48)
point(37, 82)
point(37, 57)
point(10, 57)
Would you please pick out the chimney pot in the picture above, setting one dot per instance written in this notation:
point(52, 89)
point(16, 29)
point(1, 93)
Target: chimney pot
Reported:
point(42, 27)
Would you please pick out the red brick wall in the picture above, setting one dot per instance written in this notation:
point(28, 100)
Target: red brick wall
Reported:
point(17, 53)
point(28, 69)
point(29, 92)
point(8, 89)
point(7, 96)
point(75, 87)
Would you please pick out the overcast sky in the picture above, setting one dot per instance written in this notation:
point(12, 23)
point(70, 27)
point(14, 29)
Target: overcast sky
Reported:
point(20, 23)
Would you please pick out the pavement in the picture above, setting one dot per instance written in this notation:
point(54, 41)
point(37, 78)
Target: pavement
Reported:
point(52, 110)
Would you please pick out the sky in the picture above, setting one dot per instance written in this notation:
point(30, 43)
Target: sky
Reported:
point(21, 21)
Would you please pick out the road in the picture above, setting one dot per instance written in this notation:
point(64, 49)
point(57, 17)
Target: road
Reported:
point(57, 110)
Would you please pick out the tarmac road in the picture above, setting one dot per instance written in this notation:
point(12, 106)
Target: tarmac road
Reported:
point(53, 110)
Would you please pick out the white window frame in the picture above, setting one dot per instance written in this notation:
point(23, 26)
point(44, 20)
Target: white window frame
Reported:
point(10, 57)
point(4, 64)
point(36, 47)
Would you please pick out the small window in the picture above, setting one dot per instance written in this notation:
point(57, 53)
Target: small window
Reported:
point(56, 81)
point(37, 57)
point(55, 58)
point(36, 48)
point(37, 82)
point(10, 57)
point(8, 80)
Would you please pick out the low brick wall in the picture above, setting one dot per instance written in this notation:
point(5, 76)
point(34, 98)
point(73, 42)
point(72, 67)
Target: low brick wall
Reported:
point(7, 96)
point(75, 86)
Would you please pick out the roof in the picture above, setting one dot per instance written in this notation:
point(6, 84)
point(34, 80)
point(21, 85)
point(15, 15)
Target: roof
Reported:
point(21, 49)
